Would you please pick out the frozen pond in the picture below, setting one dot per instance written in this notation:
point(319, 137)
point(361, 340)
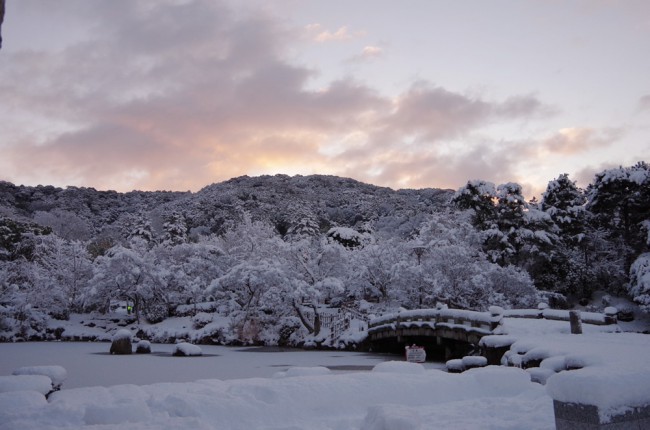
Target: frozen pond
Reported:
point(90, 364)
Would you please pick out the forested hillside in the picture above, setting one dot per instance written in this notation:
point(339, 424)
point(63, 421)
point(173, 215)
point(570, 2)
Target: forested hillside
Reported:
point(270, 252)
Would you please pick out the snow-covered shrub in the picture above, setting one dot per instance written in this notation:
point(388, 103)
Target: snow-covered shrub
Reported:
point(201, 319)
point(156, 313)
point(639, 287)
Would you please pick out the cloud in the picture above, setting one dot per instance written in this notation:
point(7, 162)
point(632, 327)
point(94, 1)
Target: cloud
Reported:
point(319, 34)
point(644, 103)
point(368, 53)
point(574, 140)
point(177, 95)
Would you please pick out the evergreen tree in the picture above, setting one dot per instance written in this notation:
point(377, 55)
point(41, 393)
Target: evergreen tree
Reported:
point(620, 200)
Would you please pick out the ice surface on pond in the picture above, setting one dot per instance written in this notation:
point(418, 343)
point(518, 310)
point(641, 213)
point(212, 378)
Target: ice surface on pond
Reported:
point(399, 367)
point(303, 371)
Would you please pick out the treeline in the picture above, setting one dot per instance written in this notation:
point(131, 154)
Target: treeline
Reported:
point(269, 252)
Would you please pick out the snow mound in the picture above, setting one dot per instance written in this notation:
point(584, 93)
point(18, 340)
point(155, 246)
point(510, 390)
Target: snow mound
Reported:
point(39, 383)
point(540, 375)
point(185, 349)
point(56, 373)
point(391, 417)
point(20, 402)
point(403, 367)
point(303, 371)
point(500, 381)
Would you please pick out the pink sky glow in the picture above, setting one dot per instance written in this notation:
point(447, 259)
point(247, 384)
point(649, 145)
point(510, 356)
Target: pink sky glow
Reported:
point(178, 94)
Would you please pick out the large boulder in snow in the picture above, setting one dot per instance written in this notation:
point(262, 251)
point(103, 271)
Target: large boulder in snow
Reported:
point(122, 342)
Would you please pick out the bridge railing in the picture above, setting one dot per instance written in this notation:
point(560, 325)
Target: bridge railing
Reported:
point(485, 321)
point(595, 318)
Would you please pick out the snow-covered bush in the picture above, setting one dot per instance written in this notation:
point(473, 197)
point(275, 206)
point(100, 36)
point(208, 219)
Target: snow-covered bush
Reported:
point(640, 281)
point(201, 319)
point(156, 313)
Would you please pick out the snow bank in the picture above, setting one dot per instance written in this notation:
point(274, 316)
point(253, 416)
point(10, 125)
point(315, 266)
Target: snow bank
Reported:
point(57, 374)
point(490, 397)
point(39, 383)
point(18, 403)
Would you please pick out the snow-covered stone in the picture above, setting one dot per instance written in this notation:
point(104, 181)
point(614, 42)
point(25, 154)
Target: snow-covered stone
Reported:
point(121, 342)
point(455, 366)
point(472, 361)
point(185, 349)
point(143, 347)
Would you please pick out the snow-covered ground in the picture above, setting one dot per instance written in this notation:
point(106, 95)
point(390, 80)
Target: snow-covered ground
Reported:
point(271, 388)
point(394, 396)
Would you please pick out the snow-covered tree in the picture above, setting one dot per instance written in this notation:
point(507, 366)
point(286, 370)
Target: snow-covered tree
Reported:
point(620, 200)
point(639, 287)
point(478, 196)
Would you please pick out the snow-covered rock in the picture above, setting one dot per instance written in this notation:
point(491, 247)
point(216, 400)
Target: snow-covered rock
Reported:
point(143, 347)
point(472, 361)
point(185, 349)
point(121, 343)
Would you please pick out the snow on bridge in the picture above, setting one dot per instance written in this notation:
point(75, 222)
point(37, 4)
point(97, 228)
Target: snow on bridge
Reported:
point(466, 326)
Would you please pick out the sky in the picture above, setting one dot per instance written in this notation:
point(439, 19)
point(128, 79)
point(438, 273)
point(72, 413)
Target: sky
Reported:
point(179, 94)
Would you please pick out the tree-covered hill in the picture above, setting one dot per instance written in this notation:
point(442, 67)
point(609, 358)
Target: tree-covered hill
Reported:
point(269, 252)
